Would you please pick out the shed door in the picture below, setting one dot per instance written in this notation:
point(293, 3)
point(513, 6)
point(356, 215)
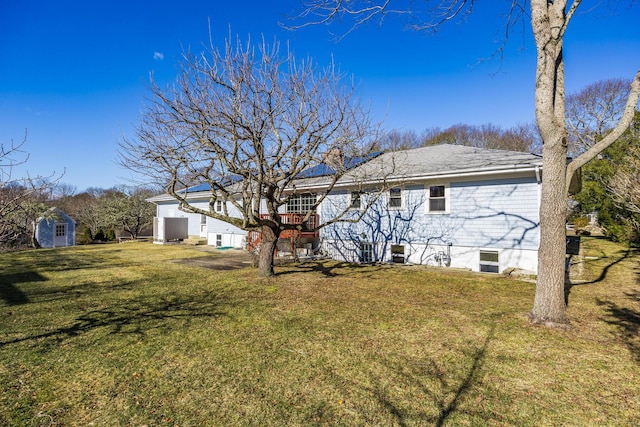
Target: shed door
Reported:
point(60, 235)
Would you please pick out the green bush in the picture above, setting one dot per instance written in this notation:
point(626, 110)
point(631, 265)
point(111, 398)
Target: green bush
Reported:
point(581, 221)
point(110, 235)
point(84, 237)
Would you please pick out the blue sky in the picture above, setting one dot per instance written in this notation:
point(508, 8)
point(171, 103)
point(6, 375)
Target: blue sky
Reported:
point(73, 74)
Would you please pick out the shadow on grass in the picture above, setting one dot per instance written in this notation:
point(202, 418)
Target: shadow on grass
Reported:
point(328, 268)
point(58, 259)
point(11, 294)
point(24, 269)
point(627, 320)
point(612, 261)
point(137, 316)
point(433, 379)
point(619, 257)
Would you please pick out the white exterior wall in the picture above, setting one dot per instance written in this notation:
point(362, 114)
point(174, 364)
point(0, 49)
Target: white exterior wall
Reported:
point(214, 226)
point(490, 215)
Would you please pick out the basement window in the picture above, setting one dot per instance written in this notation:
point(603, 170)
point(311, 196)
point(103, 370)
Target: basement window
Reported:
point(397, 254)
point(489, 262)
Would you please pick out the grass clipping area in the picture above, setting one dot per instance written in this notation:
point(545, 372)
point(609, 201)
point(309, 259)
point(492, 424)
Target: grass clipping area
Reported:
point(126, 334)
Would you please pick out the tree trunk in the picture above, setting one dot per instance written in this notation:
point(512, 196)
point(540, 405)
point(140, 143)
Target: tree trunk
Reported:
point(549, 303)
point(34, 239)
point(548, 20)
point(268, 243)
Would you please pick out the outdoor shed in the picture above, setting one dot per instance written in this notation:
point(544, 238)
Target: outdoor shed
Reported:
point(55, 229)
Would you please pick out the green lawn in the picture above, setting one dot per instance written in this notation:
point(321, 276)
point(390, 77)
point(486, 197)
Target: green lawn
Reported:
point(123, 334)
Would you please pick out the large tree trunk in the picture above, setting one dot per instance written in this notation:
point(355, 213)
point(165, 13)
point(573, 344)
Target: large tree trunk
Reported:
point(268, 242)
point(549, 303)
point(549, 21)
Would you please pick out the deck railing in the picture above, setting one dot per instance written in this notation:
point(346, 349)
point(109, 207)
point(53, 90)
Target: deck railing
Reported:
point(307, 228)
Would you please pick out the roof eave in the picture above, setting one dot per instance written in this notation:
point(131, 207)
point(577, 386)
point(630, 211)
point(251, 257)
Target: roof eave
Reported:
point(423, 177)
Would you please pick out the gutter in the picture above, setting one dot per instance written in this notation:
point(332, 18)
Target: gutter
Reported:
point(422, 177)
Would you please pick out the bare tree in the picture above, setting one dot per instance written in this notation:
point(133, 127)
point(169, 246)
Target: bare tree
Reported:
point(126, 208)
point(519, 138)
point(594, 111)
point(22, 200)
point(549, 22)
point(624, 188)
point(397, 140)
point(248, 121)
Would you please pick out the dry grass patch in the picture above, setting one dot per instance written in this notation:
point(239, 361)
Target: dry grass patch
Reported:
point(122, 335)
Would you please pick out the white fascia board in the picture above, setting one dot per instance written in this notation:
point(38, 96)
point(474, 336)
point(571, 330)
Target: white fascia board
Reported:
point(169, 198)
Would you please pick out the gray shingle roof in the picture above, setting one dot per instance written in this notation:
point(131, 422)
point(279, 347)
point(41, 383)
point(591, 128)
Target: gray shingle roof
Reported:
point(437, 160)
point(426, 162)
point(447, 158)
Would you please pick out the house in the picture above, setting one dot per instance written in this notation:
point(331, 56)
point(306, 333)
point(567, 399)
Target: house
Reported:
point(445, 205)
point(198, 227)
point(55, 229)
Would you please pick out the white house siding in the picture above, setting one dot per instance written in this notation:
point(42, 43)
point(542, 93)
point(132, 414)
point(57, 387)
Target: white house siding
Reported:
point(498, 215)
point(232, 235)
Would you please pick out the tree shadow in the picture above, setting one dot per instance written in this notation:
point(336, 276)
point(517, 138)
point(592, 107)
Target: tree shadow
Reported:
point(627, 321)
point(569, 284)
point(18, 278)
point(431, 378)
point(13, 295)
point(136, 316)
point(329, 268)
point(63, 260)
point(603, 274)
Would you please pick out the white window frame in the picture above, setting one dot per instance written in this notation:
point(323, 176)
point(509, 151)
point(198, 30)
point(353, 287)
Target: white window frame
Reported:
point(218, 240)
point(447, 198)
point(399, 190)
point(219, 207)
point(301, 203)
point(58, 227)
point(365, 254)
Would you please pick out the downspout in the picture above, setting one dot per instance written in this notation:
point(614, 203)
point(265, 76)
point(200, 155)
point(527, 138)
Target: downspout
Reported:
point(539, 182)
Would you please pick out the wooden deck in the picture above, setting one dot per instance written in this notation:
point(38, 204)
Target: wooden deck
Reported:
point(306, 231)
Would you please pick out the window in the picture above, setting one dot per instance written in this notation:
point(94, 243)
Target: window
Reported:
point(489, 262)
point(218, 240)
point(366, 252)
point(397, 254)
point(301, 203)
point(219, 206)
point(395, 198)
point(356, 200)
point(437, 199)
point(203, 220)
point(61, 230)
